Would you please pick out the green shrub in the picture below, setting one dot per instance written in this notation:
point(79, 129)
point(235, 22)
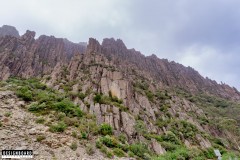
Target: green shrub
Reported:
point(122, 138)
point(25, 93)
point(110, 100)
point(60, 127)
point(48, 78)
point(60, 116)
point(90, 149)
point(40, 120)
point(147, 156)
point(43, 96)
point(40, 138)
point(99, 143)
point(185, 128)
point(105, 150)
point(36, 107)
point(182, 153)
point(157, 137)
point(168, 146)
point(139, 149)
point(67, 107)
point(209, 153)
point(231, 155)
point(162, 95)
point(84, 135)
point(1, 124)
point(97, 98)
point(115, 99)
point(130, 154)
point(106, 129)
point(81, 95)
point(118, 152)
point(162, 123)
point(7, 114)
point(109, 154)
point(171, 137)
point(109, 141)
point(150, 95)
point(71, 121)
point(141, 85)
point(140, 127)
point(74, 146)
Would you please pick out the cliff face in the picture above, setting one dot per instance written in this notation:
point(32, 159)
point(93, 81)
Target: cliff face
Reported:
point(168, 73)
point(145, 98)
point(26, 56)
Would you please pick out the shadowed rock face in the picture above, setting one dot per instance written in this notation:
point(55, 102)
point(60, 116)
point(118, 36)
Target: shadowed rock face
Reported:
point(8, 30)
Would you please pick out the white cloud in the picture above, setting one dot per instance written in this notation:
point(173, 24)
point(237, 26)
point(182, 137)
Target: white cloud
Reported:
point(71, 19)
point(211, 63)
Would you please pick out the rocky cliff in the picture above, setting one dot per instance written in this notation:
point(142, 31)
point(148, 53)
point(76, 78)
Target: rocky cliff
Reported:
point(26, 56)
point(151, 106)
point(8, 30)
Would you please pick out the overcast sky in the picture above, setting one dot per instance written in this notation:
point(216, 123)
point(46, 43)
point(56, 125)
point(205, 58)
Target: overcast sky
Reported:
point(203, 34)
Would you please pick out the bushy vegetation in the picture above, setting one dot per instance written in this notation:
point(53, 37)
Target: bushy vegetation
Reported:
point(60, 127)
point(106, 129)
point(42, 100)
point(181, 154)
point(140, 128)
point(230, 155)
point(40, 120)
point(171, 137)
point(162, 95)
point(184, 128)
point(45, 99)
point(110, 100)
point(107, 143)
point(7, 114)
point(118, 152)
point(25, 93)
point(139, 149)
point(90, 149)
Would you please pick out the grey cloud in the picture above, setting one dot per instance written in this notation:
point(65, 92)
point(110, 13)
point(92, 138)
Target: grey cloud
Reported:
point(177, 30)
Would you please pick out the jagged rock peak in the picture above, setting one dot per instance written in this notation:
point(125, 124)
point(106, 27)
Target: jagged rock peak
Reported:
point(29, 35)
point(93, 46)
point(111, 42)
point(8, 30)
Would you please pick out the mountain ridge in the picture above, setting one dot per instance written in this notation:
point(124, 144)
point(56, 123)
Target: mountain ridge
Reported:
point(127, 104)
point(167, 73)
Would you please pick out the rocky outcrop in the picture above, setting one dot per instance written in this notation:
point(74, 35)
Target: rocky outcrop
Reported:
point(165, 72)
point(26, 56)
point(158, 149)
point(20, 131)
point(8, 30)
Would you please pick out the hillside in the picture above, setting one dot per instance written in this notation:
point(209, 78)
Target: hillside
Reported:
point(110, 101)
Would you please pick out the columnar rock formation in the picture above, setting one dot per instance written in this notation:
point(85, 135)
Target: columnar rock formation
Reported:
point(143, 88)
